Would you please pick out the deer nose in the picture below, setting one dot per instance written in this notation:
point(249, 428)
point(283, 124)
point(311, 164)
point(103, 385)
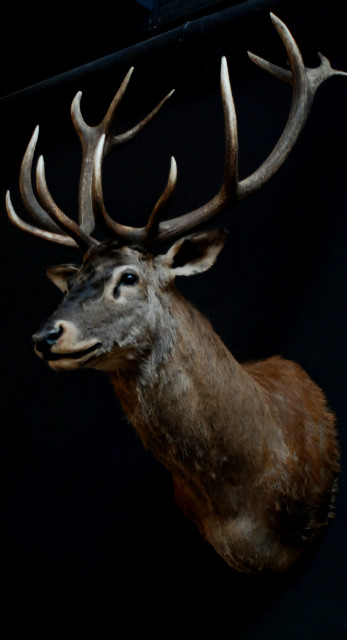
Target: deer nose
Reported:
point(46, 338)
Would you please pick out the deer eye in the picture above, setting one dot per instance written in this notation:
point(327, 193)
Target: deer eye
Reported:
point(128, 278)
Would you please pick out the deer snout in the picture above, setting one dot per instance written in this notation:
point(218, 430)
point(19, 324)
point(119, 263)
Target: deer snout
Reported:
point(60, 343)
point(46, 338)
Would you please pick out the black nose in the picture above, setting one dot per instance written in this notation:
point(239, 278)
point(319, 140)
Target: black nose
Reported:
point(45, 339)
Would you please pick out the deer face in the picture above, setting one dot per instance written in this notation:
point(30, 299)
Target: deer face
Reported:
point(106, 300)
point(115, 302)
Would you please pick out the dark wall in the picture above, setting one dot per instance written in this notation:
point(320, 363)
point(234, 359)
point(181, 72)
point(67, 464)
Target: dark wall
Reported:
point(89, 520)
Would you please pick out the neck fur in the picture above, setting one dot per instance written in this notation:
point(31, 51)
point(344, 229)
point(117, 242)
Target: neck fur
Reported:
point(186, 390)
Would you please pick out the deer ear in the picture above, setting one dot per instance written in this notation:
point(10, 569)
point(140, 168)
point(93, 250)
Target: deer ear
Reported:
point(195, 253)
point(60, 275)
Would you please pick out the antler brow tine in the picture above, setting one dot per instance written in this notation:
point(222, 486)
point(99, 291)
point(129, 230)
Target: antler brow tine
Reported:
point(50, 230)
point(36, 231)
point(25, 186)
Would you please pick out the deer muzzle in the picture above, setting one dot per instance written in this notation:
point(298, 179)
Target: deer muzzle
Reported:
point(58, 343)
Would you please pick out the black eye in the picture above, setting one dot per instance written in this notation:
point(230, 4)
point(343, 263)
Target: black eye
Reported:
point(129, 278)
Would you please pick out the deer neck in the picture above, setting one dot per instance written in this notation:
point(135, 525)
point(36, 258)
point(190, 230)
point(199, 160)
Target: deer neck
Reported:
point(187, 392)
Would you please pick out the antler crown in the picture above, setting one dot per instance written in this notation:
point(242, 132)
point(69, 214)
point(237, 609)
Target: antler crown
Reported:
point(99, 141)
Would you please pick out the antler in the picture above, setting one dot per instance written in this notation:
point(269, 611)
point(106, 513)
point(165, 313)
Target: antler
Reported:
point(97, 142)
point(304, 82)
point(52, 220)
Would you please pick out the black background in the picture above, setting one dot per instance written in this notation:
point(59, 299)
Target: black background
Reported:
point(89, 525)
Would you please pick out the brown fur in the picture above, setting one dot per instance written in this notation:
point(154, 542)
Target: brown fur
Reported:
point(254, 458)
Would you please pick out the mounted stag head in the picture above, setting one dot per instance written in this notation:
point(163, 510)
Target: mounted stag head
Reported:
point(252, 448)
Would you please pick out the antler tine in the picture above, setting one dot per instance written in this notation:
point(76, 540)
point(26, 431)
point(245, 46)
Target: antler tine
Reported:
point(152, 226)
point(26, 189)
point(51, 232)
point(71, 228)
point(90, 138)
point(110, 226)
point(36, 231)
point(229, 190)
point(122, 138)
point(125, 234)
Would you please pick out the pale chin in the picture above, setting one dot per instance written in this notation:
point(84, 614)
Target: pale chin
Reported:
point(105, 361)
point(65, 364)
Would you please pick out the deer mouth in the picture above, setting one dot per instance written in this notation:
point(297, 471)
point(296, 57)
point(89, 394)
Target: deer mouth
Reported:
point(70, 359)
point(74, 355)
point(59, 344)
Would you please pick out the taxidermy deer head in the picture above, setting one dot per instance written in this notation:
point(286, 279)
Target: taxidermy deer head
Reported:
point(252, 448)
